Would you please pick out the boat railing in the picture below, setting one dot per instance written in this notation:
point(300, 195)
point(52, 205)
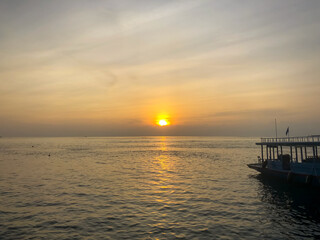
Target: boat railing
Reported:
point(312, 138)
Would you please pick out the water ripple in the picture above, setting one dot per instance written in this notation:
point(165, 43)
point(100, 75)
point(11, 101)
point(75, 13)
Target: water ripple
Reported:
point(146, 188)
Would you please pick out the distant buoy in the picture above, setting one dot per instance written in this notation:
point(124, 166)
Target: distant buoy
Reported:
point(49, 155)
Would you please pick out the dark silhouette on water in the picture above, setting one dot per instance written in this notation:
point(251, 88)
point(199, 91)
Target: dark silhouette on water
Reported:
point(293, 159)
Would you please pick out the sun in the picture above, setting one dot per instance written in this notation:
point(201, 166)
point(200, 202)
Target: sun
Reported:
point(163, 122)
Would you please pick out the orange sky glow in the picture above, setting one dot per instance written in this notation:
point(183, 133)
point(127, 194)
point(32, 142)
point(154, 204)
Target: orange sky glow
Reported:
point(116, 68)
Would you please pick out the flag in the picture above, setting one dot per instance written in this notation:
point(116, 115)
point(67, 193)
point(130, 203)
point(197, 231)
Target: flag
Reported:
point(287, 132)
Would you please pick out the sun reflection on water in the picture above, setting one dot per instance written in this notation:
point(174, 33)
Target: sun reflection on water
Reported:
point(164, 183)
point(163, 159)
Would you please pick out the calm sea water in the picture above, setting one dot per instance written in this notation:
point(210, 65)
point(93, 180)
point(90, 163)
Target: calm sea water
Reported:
point(146, 188)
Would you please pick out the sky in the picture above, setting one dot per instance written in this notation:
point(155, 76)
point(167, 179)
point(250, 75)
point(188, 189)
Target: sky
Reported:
point(116, 67)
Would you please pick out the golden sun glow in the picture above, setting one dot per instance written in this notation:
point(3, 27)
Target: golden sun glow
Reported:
point(163, 122)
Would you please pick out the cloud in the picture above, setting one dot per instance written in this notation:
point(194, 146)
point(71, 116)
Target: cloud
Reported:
point(208, 64)
point(252, 112)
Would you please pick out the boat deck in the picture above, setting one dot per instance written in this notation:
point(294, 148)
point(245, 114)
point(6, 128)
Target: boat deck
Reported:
point(313, 140)
point(294, 159)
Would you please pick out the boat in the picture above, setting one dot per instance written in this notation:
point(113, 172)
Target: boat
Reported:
point(292, 159)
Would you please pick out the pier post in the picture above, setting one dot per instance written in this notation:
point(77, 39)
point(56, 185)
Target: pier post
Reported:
point(296, 154)
point(281, 150)
point(262, 152)
point(314, 155)
point(301, 153)
point(305, 152)
point(270, 155)
point(291, 154)
point(267, 152)
point(277, 152)
point(273, 153)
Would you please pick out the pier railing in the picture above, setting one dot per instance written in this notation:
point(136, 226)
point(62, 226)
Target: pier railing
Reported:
point(312, 138)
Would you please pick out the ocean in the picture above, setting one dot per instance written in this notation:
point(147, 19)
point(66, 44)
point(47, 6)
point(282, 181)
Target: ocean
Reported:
point(146, 188)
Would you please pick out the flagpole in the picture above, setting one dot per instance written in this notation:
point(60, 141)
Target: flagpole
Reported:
point(275, 123)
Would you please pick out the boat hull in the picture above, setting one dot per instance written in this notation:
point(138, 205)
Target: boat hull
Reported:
point(287, 175)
